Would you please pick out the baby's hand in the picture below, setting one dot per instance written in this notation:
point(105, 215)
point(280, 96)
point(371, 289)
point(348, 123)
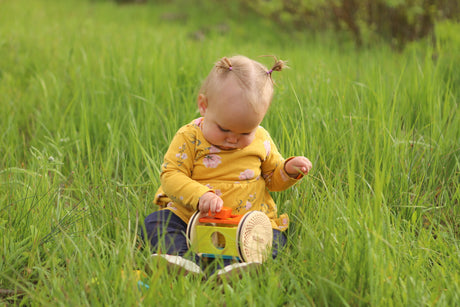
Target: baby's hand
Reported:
point(210, 201)
point(297, 165)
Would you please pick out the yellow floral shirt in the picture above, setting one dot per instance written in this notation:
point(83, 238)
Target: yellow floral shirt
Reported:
point(241, 177)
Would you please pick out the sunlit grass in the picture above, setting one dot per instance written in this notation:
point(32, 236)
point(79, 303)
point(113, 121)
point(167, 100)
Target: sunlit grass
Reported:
point(92, 93)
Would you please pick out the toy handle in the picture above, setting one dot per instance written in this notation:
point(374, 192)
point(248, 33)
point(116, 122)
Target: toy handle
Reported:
point(224, 213)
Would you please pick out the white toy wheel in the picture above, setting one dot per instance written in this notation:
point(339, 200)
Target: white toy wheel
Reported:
point(191, 228)
point(254, 237)
point(191, 231)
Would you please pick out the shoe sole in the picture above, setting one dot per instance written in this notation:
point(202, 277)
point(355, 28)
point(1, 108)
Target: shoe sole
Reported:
point(179, 265)
point(237, 271)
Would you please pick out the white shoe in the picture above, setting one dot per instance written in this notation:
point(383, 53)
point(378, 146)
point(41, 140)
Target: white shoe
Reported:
point(237, 269)
point(179, 264)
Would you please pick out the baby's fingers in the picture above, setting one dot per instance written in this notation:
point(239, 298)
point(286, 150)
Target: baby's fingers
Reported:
point(216, 205)
point(304, 166)
point(203, 207)
point(308, 165)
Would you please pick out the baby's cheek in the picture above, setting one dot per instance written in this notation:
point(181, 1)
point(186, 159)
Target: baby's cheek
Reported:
point(246, 141)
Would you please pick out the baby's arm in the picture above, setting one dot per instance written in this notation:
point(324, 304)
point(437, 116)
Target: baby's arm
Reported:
point(297, 165)
point(280, 174)
point(176, 176)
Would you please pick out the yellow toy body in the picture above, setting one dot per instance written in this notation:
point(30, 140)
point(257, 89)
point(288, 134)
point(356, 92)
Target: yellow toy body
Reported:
point(247, 238)
point(216, 240)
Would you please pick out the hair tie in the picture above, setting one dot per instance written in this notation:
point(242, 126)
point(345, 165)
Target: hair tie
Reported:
point(269, 72)
point(230, 68)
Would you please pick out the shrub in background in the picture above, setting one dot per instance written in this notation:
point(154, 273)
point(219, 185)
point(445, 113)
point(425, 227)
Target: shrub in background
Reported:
point(396, 21)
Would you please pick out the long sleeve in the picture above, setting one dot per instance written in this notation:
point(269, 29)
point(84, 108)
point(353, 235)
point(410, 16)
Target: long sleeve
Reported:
point(176, 176)
point(276, 178)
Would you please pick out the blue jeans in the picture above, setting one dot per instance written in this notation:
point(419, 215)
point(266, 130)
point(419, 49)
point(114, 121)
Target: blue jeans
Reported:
point(166, 233)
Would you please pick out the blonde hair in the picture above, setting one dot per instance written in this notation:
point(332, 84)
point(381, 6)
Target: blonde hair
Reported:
point(253, 77)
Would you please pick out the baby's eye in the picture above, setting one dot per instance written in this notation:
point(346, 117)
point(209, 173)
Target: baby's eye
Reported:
point(223, 130)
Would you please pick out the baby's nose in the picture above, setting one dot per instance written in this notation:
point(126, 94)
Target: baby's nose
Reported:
point(232, 138)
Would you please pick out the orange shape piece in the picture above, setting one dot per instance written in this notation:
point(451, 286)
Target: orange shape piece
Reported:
point(224, 213)
point(225, 216)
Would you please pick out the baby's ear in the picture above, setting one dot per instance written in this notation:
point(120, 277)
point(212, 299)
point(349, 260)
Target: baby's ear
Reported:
point(202, 104)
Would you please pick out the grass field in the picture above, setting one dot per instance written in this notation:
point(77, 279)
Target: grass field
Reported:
point(91, 94)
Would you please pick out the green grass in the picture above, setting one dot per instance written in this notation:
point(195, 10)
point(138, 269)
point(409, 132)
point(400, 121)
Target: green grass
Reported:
point(91, 93)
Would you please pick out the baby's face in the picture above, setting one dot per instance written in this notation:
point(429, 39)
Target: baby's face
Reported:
point(229, 121)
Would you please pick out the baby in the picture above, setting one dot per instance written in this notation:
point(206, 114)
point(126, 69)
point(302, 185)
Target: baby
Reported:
point(223, 157)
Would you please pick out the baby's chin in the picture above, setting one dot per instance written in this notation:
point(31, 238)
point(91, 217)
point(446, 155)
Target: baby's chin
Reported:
point(226, 147)
point(222, 147)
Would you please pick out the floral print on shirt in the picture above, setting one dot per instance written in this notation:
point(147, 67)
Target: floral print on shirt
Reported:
point(181, 155)
point(247, 174)
point(217, 191)
point(267, 147)
point(212, 161)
